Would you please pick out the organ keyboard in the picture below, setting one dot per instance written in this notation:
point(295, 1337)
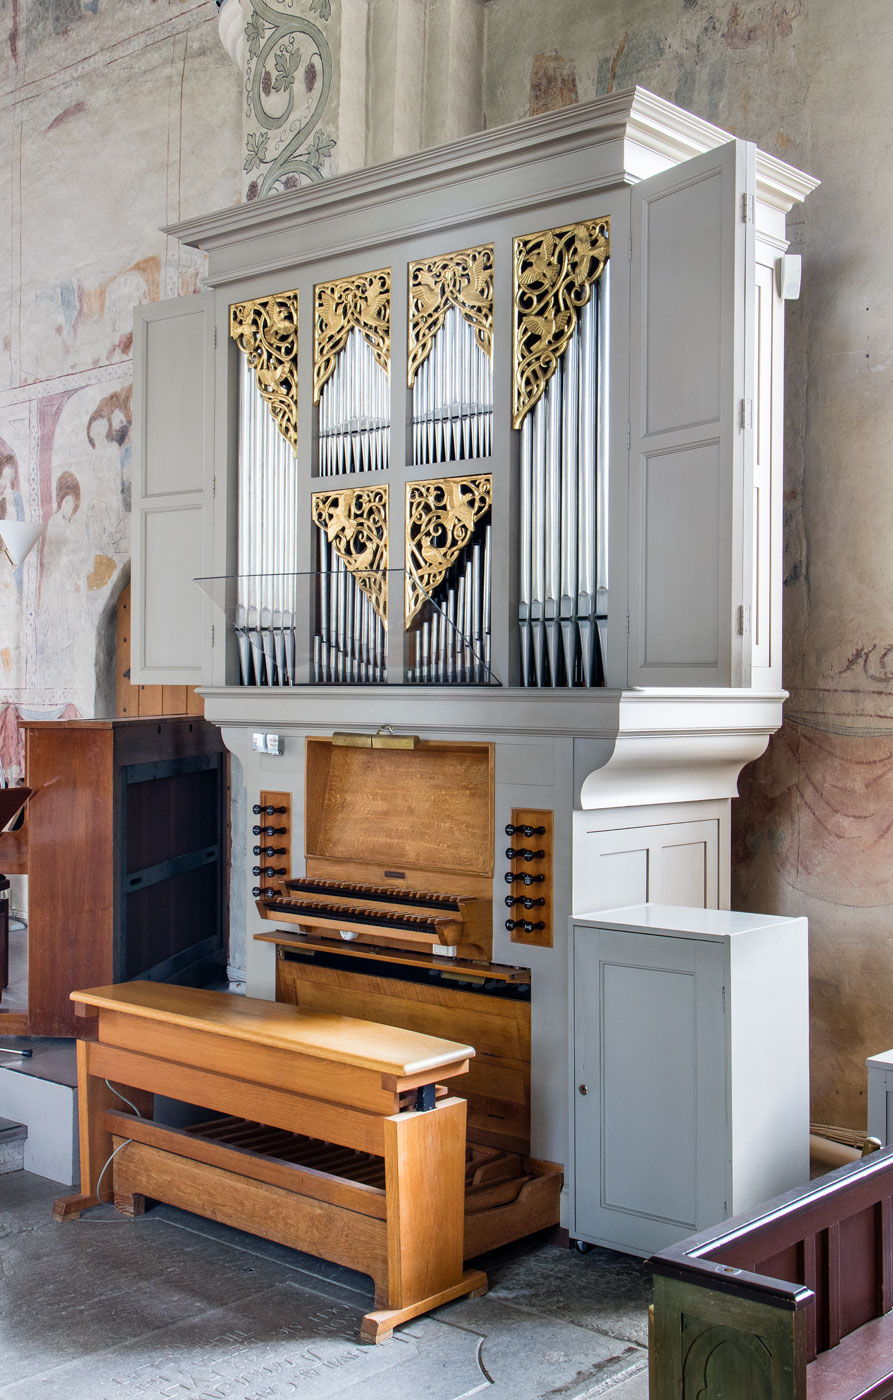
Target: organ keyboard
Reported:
point(410, 916)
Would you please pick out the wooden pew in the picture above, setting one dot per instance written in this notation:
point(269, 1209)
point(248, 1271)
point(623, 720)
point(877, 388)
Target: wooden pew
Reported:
point(357, 1089)
point(791, 1302)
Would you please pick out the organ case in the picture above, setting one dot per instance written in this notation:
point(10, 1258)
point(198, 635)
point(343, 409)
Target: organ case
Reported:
point(622, 244)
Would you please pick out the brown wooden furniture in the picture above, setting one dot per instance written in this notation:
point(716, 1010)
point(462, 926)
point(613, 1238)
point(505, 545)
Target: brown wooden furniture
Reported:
point(399, 850)
point(792, 1302)
point(327, 1083)
point(126, 861)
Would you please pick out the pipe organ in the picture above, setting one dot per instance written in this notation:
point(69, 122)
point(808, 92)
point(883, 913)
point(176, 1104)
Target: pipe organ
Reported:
point(489, 470)
point(558, 565)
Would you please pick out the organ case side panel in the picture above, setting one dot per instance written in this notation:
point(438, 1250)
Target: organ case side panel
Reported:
point(691, 421)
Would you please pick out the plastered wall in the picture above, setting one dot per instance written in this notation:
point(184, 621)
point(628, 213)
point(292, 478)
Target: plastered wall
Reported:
point(116, 118)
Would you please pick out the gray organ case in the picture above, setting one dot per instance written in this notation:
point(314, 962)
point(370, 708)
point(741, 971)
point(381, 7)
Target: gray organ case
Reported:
point(504, 437)
point(483, 445)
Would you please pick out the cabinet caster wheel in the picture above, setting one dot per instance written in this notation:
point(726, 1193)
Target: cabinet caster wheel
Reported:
point(583, 1246)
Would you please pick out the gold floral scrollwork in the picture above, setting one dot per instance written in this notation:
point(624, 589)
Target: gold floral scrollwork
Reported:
point(440, 520)
point(356, 524)
point(266, 331)
point(554, 273)
point(463, 280)
point(352, 303)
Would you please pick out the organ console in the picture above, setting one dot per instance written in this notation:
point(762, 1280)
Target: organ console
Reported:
point(491, 455)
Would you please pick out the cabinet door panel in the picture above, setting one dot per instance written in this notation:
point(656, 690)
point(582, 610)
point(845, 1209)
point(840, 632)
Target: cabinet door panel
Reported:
point(173, 489)
point(650, 1136)
point(691, 443)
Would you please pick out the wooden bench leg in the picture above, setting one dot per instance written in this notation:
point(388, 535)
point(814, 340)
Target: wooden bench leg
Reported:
point(94, 1097)
point(130, 1205)
point(425, 1186)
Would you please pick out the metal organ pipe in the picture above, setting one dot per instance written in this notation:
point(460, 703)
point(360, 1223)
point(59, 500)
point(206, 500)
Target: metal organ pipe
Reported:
point(563, 513)
point(354, 416)
point(452, 640)
point(267, 542)
point(349, 646)
point(452, 400)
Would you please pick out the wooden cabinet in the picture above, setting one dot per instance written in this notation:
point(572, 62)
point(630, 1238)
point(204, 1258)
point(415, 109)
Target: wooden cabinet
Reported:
point(125, 856)
point(690, 1071)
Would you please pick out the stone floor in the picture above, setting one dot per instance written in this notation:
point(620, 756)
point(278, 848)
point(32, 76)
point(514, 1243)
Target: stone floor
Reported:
point(174, 1307)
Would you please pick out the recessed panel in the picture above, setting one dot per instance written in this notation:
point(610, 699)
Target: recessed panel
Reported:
point(682, 557)
point(683, 301)
point(174, 441)
point(172, 606)
point(648, 1059)
point(684, 874)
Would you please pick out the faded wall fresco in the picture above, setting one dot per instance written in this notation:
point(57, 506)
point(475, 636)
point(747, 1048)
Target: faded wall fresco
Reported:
point(290, 93)
point(115, 119)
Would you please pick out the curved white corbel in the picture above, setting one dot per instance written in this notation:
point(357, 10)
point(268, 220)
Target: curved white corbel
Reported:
point(681, 746)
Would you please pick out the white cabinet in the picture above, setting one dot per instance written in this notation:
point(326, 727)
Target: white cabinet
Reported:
point(880, 1097)
point(689, 1070)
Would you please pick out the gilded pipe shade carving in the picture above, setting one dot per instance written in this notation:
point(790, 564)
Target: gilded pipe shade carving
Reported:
point(463, 280)
point(554, 273)
point(266, 331)
point(356, 525)
point(440, 520)
point(360, 303)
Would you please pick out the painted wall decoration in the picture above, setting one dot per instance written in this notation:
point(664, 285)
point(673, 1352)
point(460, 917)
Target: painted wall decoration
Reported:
point(132, 100)
point(288, 91)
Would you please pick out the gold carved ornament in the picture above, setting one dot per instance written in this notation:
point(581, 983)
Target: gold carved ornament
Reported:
point(554, 273)
point(266, 331)
point(360, 303)
point(463, 280)
point(440, 520)
point(356, 525)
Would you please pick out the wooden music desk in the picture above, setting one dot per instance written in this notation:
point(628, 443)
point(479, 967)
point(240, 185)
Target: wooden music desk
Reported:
point(357, 1084)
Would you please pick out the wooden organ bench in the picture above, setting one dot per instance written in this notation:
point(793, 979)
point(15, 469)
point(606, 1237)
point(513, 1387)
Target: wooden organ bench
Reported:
point(331, 1135)
point(792, 1302)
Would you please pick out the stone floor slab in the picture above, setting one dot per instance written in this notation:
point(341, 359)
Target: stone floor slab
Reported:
point(528, 1356)
point(284, 1342)
point(174, 1307)
point(600, 1290)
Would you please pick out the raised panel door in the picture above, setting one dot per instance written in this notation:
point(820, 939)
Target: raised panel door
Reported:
point(650, 1142)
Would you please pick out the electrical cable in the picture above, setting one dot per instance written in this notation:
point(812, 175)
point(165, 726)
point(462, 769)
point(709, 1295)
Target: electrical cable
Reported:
point(126, 1143)
point(123, 1098)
